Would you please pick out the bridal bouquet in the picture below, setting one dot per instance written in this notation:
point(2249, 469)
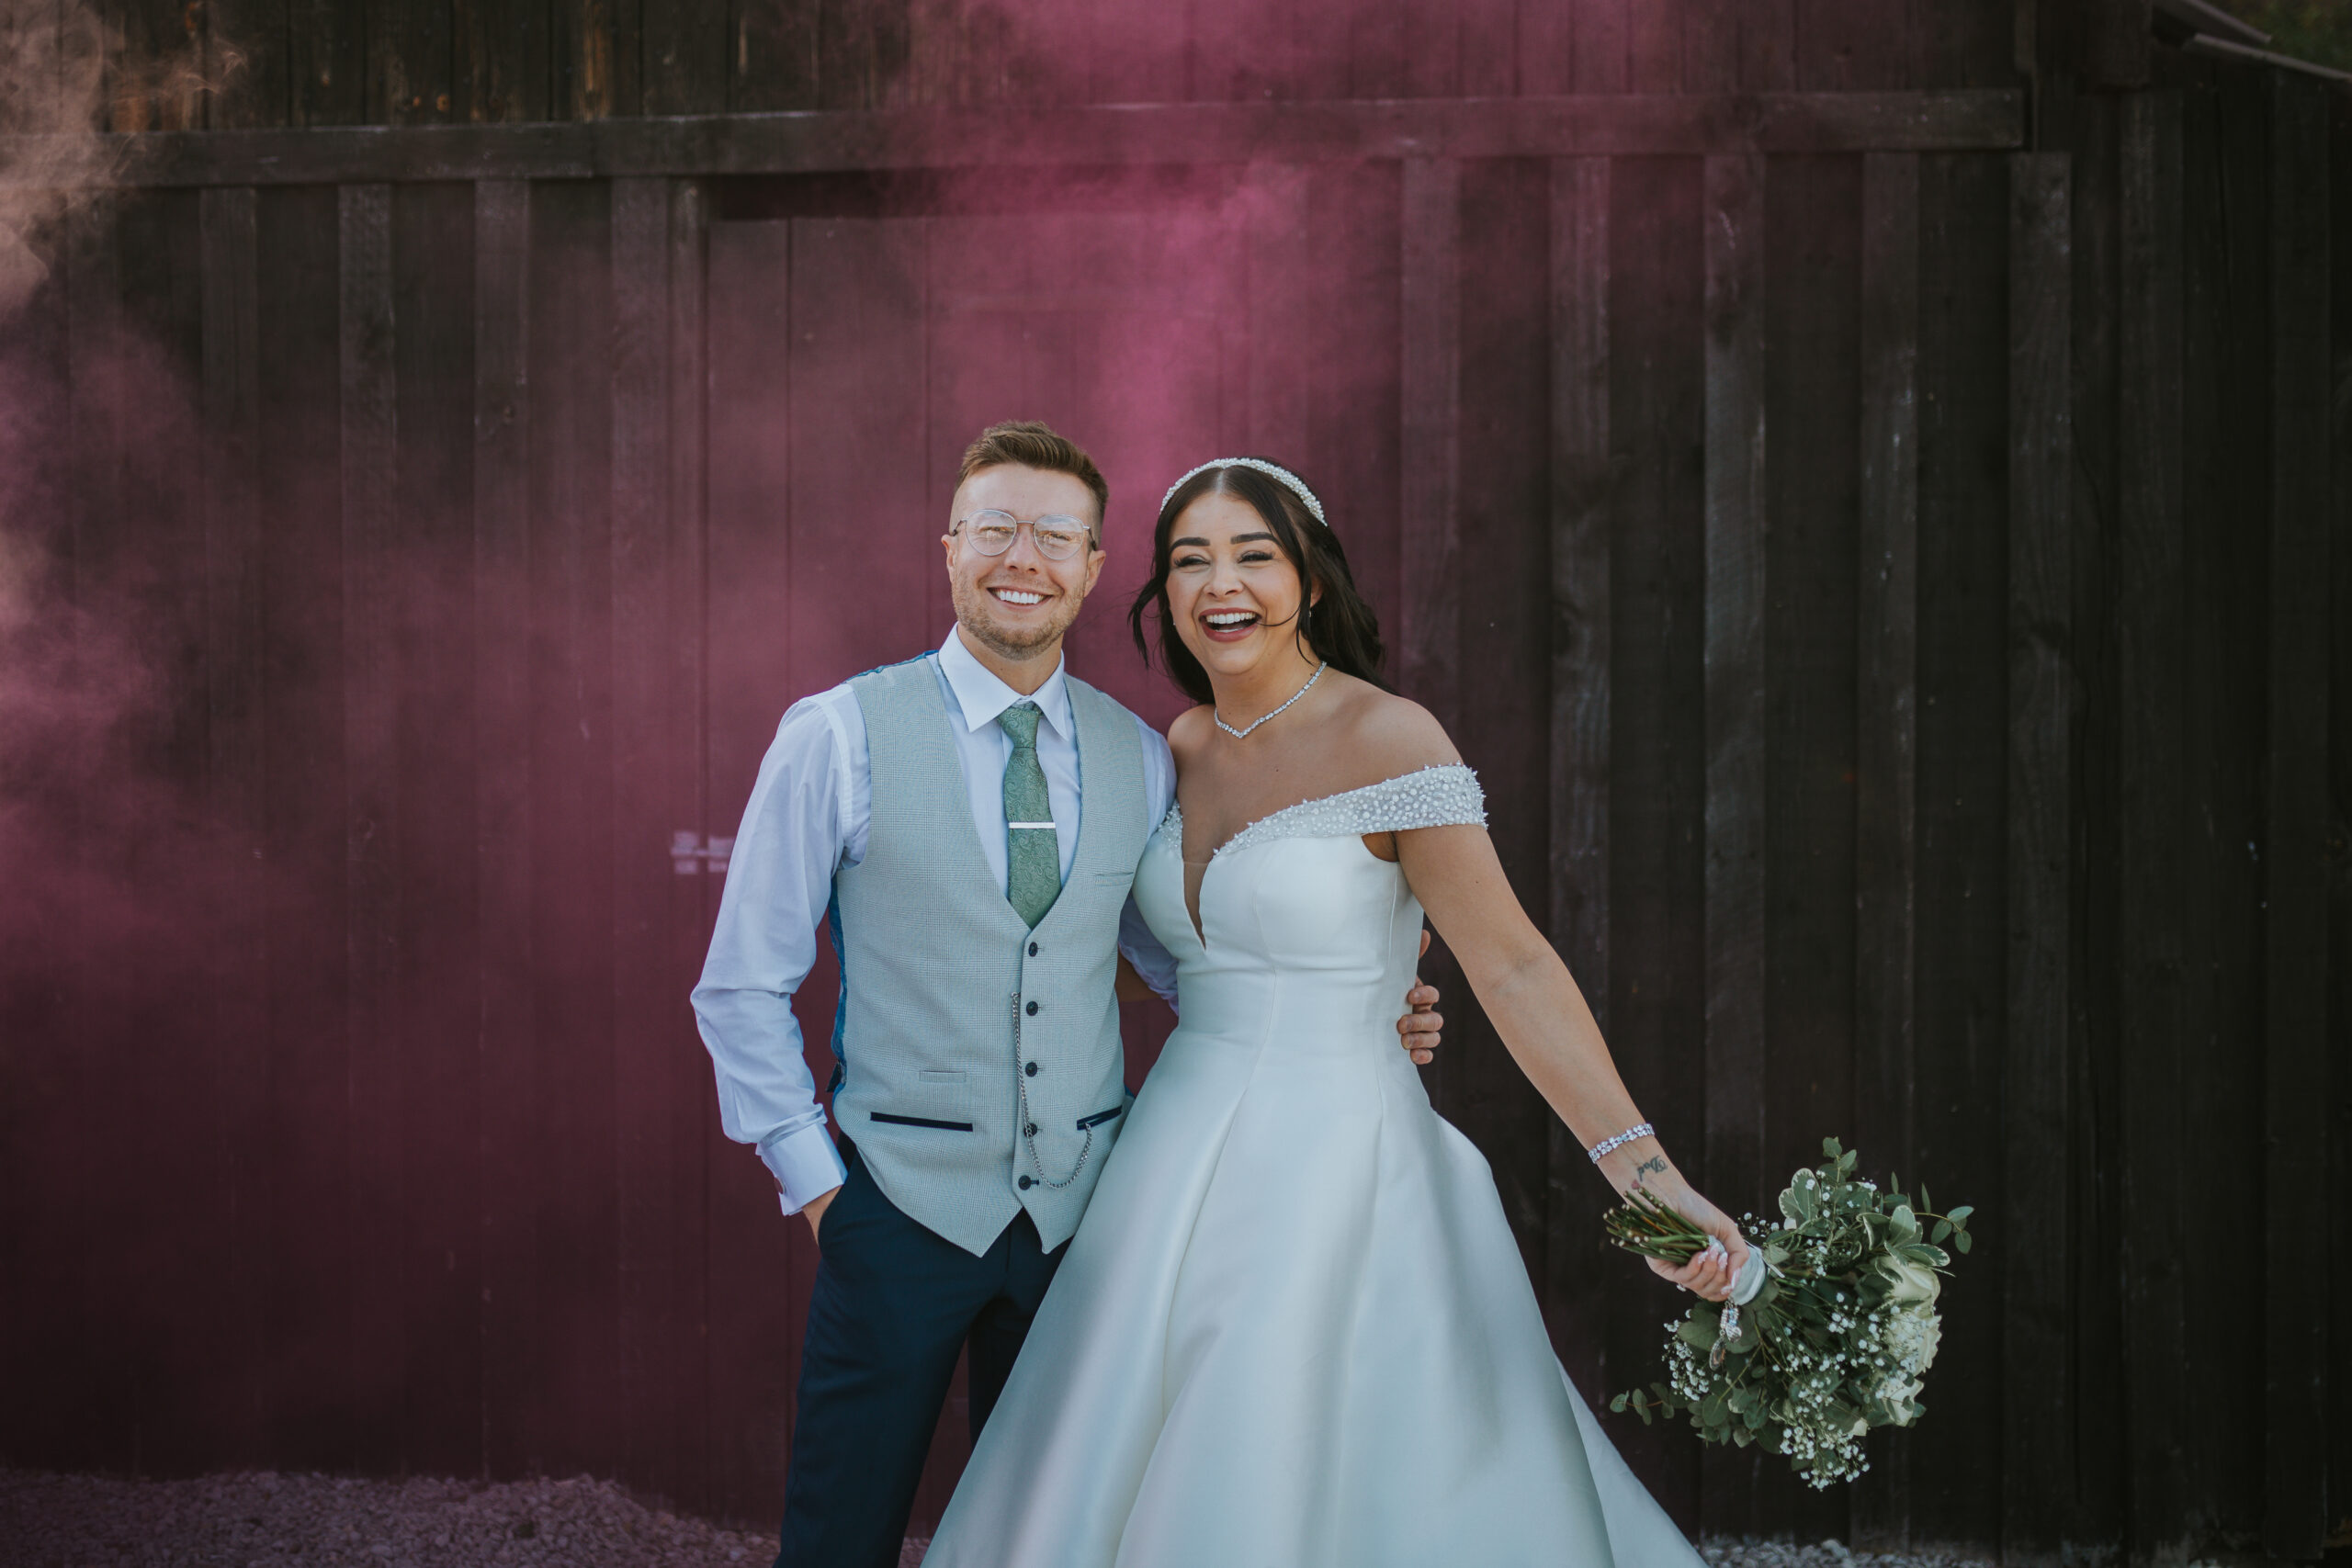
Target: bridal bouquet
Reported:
point(1832, 1334)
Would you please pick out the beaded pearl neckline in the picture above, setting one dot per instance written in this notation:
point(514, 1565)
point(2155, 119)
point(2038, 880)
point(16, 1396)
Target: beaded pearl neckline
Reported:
point(1443, 794)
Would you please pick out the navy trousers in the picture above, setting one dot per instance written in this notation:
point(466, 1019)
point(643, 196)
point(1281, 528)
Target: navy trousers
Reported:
point(894, 1303)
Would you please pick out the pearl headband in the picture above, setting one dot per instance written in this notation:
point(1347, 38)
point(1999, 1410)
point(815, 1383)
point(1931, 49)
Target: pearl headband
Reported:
point(1296, 486)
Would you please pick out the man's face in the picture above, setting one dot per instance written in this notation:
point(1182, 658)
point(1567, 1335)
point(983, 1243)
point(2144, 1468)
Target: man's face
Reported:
point(1019, 603)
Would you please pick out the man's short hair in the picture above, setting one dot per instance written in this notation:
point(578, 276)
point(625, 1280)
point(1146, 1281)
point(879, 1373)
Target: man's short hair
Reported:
point(1036, 446)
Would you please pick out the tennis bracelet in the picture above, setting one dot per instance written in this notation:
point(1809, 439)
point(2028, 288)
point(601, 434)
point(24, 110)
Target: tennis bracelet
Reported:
point(1627, 1137)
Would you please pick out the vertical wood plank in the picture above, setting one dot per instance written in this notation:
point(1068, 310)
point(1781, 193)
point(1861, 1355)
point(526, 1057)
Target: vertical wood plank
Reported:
point(37, 1038)
point(371, 805)
point(1281, 296)
point(2296, 855)
point(2225, 498)
point(245, 63)
point(326, 57)
point(772, 55)
point(2117, 42)
point(1377, 48)
point(2339, 951)
point(685, 57)
point(1546, 49)
point(1813, 356)
point(651, 728)
point(573, 1113)
point(1489, 49)
point(1581, 493)
point(92, 1395)
point(234, 774)
point(597, 53)
point(1886, 727)
point(2149, 609)
point(1430, 473)
point(504, 54)
point(440, 1096)
point(1658, 808)
point(507, 1033)
point(1433, 44)
point(2100, 1507)
point(1600, 52)
point(1767, 46)
point(1710, 50)
point(1140, 53)
point(2037, 1254)
point(1961, 932)
point(1431, 433)
point(410, 60)
point(692, 1109)
point(305, 1303)
point(749, 681)
point(1733, 209)
point(1504, 725)
point(146, 42)
point(1653, 47)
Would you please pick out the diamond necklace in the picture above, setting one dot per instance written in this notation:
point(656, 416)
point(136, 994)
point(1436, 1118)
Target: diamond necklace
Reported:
point(1263, 717)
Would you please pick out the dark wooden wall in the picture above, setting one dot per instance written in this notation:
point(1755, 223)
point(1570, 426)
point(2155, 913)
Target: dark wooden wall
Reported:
point(239, 63)
point(1882, 566)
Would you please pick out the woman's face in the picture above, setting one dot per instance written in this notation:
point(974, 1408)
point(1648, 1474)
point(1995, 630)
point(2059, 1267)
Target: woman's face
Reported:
point(1233, 593)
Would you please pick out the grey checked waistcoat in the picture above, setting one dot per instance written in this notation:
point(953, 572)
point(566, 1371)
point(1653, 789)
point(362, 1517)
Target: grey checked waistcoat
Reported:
point(951, 1006)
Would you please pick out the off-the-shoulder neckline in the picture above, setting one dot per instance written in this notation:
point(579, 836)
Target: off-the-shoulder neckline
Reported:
point(1176, 808)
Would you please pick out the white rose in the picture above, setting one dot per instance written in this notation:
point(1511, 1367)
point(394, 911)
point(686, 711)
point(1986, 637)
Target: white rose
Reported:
point(1910, 1284)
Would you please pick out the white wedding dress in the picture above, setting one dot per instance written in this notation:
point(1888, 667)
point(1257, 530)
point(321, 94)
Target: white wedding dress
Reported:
point(1293, 1329)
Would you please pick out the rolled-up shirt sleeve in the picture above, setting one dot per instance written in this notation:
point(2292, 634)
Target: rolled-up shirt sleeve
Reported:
point(779, 882)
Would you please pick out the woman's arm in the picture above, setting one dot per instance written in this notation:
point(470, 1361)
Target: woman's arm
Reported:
point(1549, 1031)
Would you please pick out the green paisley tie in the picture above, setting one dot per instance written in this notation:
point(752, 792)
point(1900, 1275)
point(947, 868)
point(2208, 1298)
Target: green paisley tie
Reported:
point(1032, 852)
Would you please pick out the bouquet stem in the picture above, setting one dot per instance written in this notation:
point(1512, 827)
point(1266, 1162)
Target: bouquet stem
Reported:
point(1654, 1229)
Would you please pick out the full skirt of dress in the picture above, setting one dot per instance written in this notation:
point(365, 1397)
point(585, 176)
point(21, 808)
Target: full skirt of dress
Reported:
point(1295, 1330)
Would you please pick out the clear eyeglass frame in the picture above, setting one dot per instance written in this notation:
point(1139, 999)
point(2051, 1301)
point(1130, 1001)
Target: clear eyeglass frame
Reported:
point(992, 532)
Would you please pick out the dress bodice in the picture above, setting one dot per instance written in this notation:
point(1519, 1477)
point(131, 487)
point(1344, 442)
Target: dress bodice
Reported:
point(1305, 933)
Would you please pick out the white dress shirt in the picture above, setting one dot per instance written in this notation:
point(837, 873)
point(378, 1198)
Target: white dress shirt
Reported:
point(808, 818)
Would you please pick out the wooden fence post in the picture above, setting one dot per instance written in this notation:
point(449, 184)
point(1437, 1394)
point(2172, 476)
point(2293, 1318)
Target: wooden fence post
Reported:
point(2149, 606)
point(1731, 211)
point(235, 764)
point(1581, 518)
point(503, 813)
point(1886, 658)
point(2295, 857)
point(2036, 1118)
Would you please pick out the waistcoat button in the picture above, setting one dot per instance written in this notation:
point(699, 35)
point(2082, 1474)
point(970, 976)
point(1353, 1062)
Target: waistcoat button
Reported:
point(1025, 1184)
point(1033, 1010)
point(1030, 1069)
point(1030, 1130)
point(1033, 950)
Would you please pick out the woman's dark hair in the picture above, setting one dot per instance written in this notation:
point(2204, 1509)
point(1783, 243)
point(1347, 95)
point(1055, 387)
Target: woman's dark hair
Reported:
point(1340, 627)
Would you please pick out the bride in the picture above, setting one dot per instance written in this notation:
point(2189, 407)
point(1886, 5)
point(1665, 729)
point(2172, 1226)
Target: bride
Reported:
point(1293, 1328)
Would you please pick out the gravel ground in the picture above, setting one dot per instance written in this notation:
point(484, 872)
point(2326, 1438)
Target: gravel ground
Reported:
point(1831, 1554)
point(264, 1519)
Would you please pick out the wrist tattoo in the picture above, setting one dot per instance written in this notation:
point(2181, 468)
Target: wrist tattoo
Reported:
point(1654, 1163)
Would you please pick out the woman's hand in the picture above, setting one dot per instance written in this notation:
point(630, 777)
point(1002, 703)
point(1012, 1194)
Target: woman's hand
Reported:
point(1711, 1273)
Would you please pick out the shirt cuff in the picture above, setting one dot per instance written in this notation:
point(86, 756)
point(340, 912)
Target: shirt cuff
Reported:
point(805, 1162)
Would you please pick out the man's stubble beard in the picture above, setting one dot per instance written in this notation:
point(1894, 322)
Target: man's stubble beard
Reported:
point(971, 604)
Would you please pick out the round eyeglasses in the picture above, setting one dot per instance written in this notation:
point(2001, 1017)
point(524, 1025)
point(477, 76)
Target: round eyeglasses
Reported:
point(1058, 538)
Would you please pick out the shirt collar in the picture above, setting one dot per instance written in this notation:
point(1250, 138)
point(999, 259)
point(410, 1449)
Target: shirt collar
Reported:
point(982, 696)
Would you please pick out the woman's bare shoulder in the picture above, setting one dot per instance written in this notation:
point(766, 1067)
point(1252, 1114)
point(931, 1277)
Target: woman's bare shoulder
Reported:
point(1392, 734)
point(1190, 730)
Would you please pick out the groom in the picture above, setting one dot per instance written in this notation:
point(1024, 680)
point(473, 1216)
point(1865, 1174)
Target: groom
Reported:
point(967, 824)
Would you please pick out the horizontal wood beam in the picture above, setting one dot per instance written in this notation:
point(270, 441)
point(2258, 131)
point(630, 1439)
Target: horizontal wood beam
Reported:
point(1595, 125)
